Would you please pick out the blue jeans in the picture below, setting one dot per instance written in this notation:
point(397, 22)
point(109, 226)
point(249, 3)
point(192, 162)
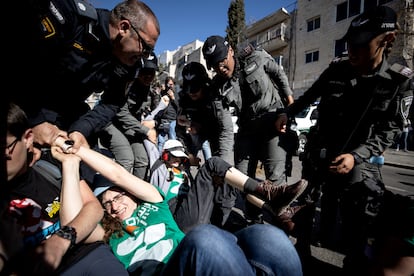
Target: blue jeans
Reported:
point(198, 143)
point(206, 150)
point(259, 249)
point(164, 136)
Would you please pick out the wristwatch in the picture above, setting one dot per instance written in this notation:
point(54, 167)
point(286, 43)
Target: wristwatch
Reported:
point(69, 233)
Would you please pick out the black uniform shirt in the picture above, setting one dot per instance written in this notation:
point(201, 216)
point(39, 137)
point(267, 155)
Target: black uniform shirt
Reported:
point(70, 57)
point(356, 113)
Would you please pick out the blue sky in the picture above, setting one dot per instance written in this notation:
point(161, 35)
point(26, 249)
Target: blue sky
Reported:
point(184, 21)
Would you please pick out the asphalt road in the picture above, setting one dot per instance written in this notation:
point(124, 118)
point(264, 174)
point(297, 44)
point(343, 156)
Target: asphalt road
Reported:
point(398, 174)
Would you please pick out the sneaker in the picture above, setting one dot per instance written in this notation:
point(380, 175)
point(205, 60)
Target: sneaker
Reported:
point(284, 219)
point(279, 197)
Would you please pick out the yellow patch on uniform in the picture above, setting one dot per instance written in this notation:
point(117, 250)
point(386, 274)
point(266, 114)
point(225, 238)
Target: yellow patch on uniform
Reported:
point(81, 48)
point(78, 46)
point(48, 27)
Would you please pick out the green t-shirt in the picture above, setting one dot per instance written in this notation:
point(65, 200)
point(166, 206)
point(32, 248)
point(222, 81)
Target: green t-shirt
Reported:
point(150, 237)
point(175, 185)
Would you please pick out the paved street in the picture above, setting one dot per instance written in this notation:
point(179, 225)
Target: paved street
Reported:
point(327, 262)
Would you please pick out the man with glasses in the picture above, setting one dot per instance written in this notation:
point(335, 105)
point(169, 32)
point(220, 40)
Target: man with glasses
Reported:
point(255, 85)
point(76, 50)
point(57, 229)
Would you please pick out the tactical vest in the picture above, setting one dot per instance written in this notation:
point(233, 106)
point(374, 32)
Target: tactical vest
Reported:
point(259, 82)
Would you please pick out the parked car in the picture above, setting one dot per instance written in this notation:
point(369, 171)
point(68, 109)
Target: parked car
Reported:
point(303, 122)
point(234, 119)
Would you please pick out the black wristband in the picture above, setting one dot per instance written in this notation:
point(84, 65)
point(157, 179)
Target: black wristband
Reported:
point(69, 233)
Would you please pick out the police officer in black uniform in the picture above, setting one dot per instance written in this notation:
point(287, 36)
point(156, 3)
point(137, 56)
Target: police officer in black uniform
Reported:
point(363, 104)
point(75, 50)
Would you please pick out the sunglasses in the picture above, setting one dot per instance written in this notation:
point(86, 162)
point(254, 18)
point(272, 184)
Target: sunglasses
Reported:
point(146, 49)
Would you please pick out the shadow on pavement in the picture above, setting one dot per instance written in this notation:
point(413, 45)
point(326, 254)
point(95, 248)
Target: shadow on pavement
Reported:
point(315, 266)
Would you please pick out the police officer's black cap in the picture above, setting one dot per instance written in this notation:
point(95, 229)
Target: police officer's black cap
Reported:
point(370, 24)
point(215, 49)
point(194, 77)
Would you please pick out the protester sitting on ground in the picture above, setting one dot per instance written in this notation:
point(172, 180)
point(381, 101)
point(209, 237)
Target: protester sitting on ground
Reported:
point(142, 232)
point(59, 218)
point(192, 199)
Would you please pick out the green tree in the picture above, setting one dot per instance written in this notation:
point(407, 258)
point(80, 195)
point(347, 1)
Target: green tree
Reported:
point(236, 23)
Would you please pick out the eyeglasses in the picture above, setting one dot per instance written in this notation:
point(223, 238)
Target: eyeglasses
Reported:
point(10, 148)
point(117, 199)
point(146, 49)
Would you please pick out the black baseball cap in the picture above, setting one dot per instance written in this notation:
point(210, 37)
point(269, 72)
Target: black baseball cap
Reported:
point(215, 49)
point(370, 24)
point(194, 77)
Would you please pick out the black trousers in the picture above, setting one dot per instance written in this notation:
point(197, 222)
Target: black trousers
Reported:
point(209, 199)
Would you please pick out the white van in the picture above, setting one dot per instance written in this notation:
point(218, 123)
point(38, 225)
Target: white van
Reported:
point(304, 120)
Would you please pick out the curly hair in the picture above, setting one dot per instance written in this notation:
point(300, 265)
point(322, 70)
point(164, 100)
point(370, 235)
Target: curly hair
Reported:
point(112, 226)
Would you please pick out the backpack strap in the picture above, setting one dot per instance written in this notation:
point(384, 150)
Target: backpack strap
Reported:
point(155, 166)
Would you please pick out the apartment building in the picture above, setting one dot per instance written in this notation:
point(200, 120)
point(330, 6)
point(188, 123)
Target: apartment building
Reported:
point(320, 26)
point(172, 63)
point(308, 38)
point(272, 33)
point(305, 40)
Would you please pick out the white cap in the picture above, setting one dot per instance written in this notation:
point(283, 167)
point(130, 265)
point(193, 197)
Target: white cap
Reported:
point(175, 148)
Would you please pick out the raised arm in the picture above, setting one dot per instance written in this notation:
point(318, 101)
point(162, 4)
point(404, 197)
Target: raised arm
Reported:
point(118, 175)
point(79, 207)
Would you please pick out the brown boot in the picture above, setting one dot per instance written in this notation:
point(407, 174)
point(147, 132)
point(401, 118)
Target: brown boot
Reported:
point(284, 220)
point(278, 197)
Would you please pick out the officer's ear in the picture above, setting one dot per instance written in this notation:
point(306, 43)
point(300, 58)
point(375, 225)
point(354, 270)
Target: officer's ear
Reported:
point(389, 38)
point(124, 25)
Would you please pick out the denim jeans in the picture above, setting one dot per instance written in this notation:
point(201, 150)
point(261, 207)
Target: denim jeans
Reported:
point(199, 143)
point(259, 249)
point(164, 136)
